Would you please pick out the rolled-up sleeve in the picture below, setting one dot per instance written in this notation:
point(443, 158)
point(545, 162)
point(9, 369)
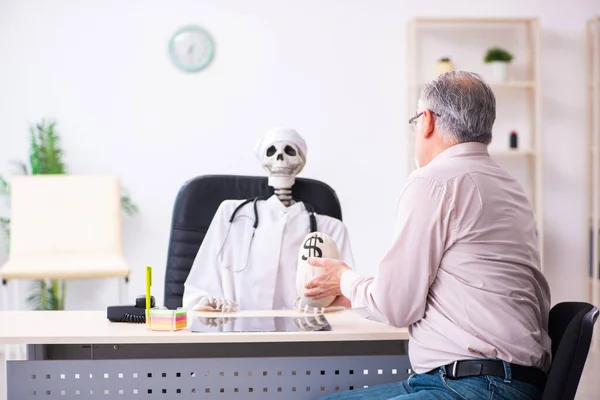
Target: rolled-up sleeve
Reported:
point(398, 292)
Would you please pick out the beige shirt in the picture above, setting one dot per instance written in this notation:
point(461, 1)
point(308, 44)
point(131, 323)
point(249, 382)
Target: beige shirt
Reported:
point(463, 272)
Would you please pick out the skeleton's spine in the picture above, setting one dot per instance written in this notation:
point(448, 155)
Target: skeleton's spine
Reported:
point(284, 195)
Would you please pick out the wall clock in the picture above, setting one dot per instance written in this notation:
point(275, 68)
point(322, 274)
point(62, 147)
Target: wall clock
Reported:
point(191, 48)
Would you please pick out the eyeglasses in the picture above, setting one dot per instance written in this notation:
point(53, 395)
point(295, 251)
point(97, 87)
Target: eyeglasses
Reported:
point(413, 121)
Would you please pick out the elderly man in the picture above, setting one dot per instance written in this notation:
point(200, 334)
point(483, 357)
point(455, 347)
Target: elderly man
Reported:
point(463, 271)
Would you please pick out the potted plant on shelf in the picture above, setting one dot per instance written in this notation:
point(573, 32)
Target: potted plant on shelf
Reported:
point(499, 59)
point(46, 157)
point(443, 65)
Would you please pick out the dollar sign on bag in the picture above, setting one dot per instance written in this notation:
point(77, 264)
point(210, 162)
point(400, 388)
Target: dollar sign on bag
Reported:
point(311, 245)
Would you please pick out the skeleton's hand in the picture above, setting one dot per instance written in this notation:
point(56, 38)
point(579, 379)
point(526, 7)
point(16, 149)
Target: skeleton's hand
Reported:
point(226, 305)
point(302, 307)
point(299, 305)
point(209, 303)
point(311, 323)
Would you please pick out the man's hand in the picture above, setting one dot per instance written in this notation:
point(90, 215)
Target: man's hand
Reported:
point(328, 282)
point(341, 301)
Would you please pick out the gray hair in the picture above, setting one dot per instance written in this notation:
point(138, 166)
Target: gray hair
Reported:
point(465, 104)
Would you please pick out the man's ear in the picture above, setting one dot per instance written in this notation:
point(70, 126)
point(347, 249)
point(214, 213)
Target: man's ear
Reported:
point(428, 121)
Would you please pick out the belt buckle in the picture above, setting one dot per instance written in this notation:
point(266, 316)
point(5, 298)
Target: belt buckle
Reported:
point(454, 367)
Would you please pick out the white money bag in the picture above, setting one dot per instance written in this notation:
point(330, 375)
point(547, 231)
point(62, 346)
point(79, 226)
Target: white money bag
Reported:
point(316, 244)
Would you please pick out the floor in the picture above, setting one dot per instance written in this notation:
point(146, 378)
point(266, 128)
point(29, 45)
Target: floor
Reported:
point(589, 387)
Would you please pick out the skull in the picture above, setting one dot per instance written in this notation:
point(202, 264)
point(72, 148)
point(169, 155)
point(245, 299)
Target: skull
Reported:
point(284, 160)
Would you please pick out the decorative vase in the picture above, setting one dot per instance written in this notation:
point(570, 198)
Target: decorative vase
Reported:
point(443, 65)
point(499, 71)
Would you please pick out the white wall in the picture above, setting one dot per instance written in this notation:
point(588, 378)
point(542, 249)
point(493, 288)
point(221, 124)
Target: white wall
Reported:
point(333, 70)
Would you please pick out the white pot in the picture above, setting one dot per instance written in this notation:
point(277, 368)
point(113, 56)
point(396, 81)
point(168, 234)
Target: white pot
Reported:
point(443, 66)
point(499, 71)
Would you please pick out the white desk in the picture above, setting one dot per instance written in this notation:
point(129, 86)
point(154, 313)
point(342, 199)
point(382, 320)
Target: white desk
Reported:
point(80, 354)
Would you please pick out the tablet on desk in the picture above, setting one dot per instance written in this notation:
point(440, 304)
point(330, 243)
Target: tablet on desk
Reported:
point(309, 323)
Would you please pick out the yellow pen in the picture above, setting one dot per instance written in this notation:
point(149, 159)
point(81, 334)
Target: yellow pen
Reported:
point(148, 285)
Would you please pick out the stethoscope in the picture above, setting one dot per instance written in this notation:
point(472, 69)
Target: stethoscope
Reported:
point(254, 201)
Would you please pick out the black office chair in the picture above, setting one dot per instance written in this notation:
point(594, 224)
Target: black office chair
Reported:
point(197, 203)
point(571, 326)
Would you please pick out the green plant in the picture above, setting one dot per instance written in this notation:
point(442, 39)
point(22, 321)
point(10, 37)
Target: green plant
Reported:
point(46, 157)
point(497, 54)
point(47, 294)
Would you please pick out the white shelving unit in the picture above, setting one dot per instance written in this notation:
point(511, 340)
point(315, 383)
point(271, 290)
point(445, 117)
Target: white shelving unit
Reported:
point(593, 156)
point(518, 100)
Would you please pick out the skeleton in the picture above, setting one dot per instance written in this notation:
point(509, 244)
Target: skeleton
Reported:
point(283, 160)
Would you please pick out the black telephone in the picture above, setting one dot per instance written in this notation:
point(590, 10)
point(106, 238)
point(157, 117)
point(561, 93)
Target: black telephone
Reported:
point(135, 314)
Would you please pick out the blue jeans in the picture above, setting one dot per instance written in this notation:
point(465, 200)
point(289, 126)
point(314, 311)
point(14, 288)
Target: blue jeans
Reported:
point(436, 385)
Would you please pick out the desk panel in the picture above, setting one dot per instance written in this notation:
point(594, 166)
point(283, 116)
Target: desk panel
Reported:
point(224, 378)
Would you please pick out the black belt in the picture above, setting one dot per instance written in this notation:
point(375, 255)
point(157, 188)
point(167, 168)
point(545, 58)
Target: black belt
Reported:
point(466, 368)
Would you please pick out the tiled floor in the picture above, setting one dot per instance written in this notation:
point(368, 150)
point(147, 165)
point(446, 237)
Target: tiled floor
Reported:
point(589, 387)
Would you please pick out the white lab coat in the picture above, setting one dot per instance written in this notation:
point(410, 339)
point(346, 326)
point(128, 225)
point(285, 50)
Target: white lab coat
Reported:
point(268, 280)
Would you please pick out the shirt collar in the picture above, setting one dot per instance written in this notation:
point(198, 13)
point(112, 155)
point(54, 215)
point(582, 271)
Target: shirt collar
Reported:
point(466, 148)
point(279, 208)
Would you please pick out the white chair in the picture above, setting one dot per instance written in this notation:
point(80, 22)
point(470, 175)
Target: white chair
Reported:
point(65, 227)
